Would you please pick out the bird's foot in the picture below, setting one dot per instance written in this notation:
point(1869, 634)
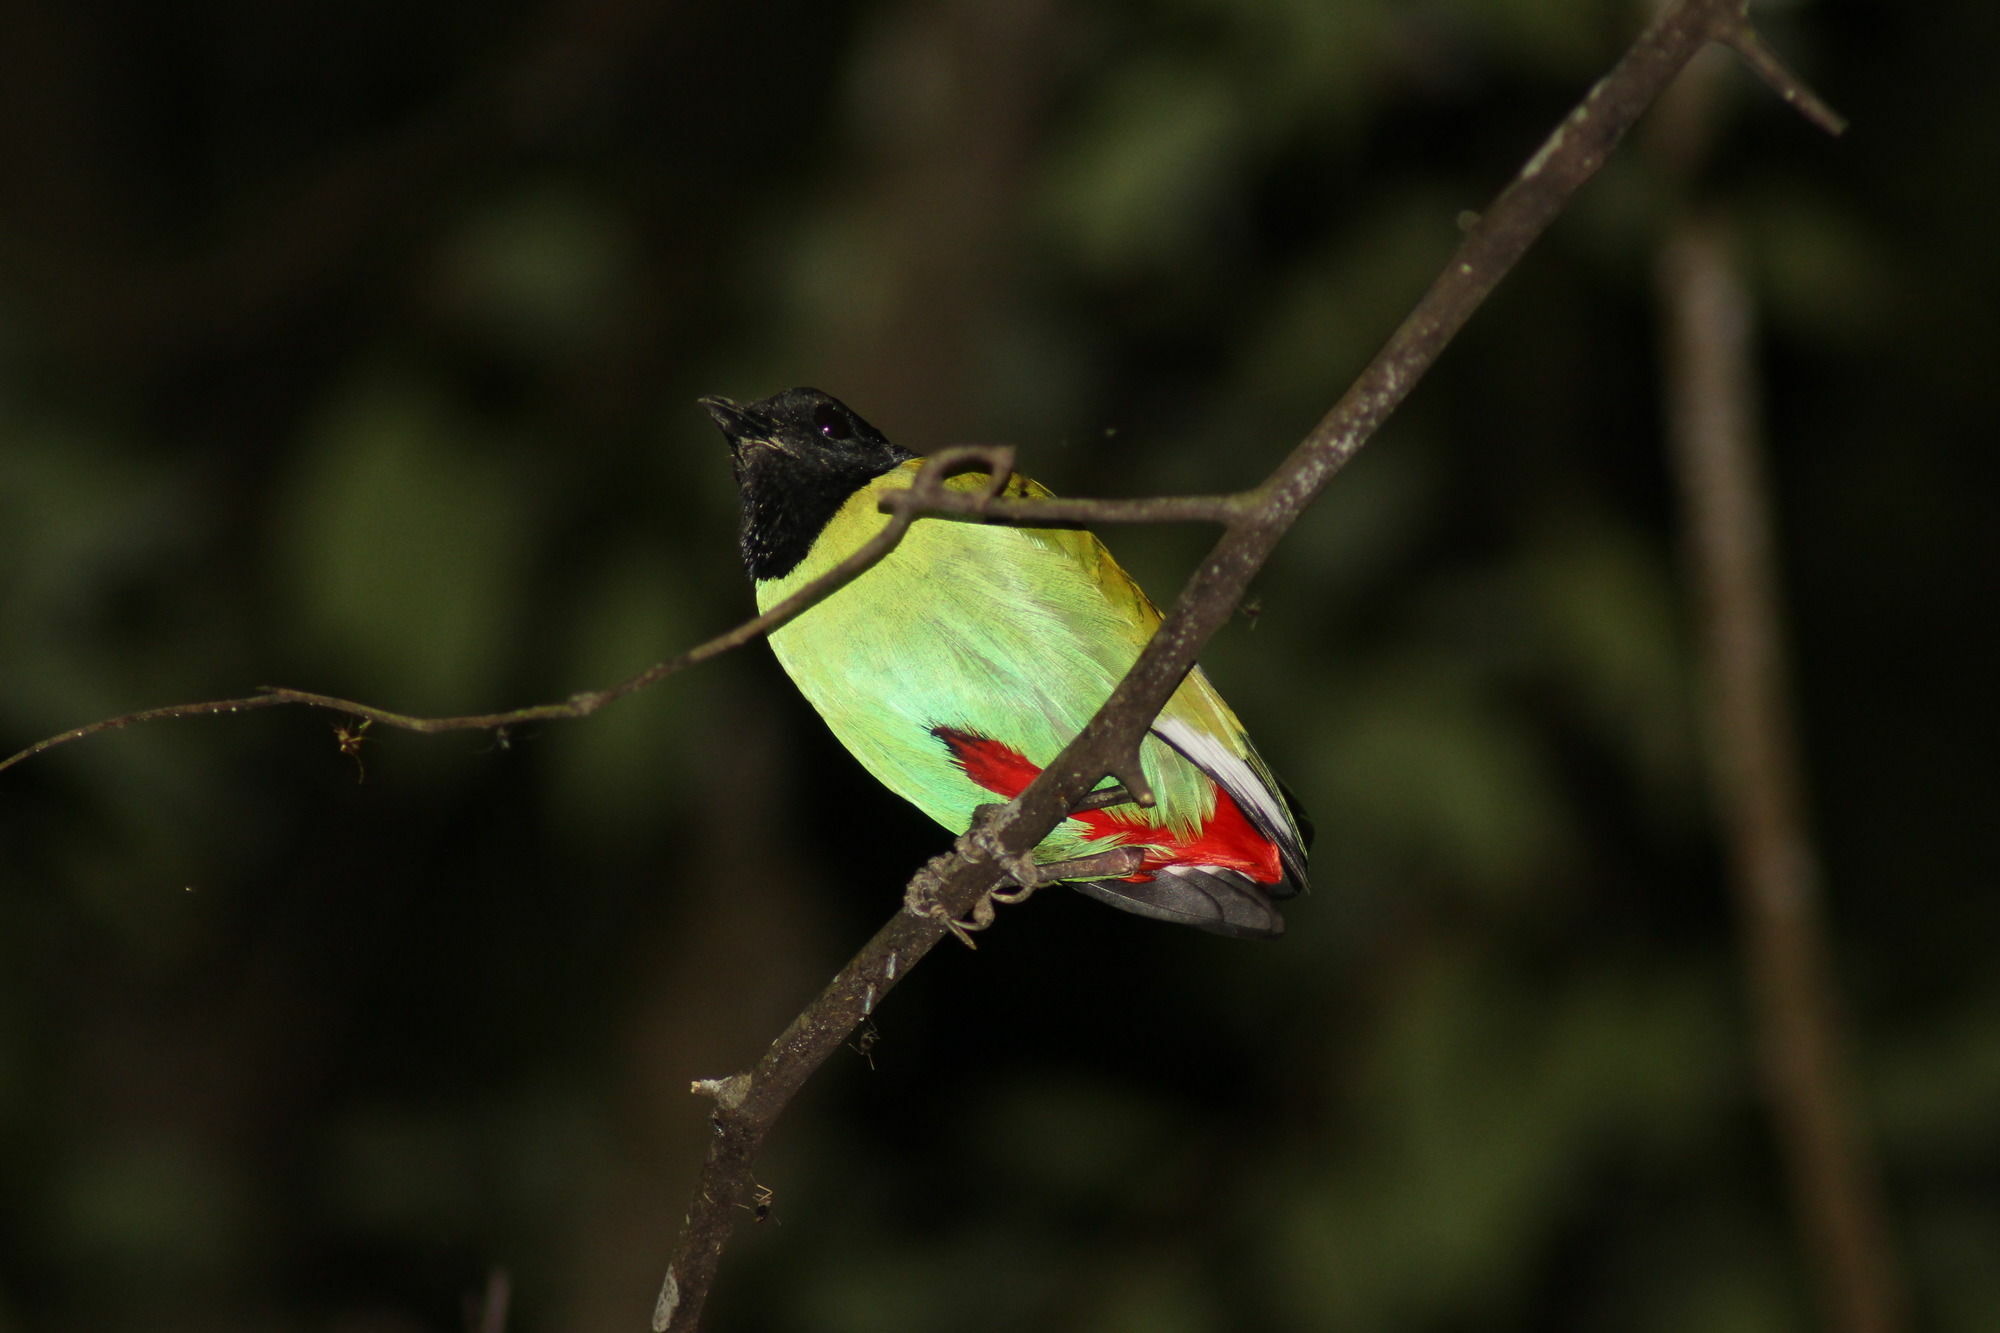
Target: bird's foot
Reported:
point(983, 914)
point(922, 901)
point(1104, 798)
point(1114, 864)
point(1026, 875)
point(1023, 875)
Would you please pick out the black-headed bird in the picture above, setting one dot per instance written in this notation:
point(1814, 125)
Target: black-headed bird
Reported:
point(961, 664)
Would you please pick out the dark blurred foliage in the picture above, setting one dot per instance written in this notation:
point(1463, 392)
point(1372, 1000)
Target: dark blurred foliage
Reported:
point(354, 347)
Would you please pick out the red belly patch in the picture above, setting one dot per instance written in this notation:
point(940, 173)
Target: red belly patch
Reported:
point(1226, 840)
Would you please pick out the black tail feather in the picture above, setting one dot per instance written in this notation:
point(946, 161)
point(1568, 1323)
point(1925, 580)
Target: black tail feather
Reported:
point(1225, 902)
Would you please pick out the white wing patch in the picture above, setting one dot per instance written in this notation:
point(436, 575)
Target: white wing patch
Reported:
point(1234, 774)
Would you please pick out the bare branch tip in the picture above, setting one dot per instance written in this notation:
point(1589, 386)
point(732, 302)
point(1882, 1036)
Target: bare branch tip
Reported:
point(669, 1301)
point(1749, 44)
point(728, 1093)
point(1132, 778)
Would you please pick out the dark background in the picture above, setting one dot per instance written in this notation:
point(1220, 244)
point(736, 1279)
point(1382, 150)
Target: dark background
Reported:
point(354, 347)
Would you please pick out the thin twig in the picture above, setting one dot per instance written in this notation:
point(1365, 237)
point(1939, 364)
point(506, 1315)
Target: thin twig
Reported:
point(927, 489)
point(1059, 513)
point(1759, 794)
point(951, 885)
point(926, 497)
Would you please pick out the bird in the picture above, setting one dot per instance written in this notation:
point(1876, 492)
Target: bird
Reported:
point(958, 667)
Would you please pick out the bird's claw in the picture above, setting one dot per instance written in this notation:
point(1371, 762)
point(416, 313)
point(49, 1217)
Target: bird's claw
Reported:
point(1026, 875)
point(1021, 874)
point(922, 901)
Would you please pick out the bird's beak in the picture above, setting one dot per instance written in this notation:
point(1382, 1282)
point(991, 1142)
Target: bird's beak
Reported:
point(739, 427)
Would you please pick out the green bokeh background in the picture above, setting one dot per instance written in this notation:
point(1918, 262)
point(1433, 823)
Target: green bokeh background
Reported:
point(354, 347)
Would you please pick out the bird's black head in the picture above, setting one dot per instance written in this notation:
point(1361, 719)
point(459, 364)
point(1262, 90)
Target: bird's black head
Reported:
point(798, 455)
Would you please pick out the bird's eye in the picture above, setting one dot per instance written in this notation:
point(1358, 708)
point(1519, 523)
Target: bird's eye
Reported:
point(831, 422)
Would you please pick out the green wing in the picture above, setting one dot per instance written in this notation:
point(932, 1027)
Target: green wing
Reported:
point(1011, 633)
